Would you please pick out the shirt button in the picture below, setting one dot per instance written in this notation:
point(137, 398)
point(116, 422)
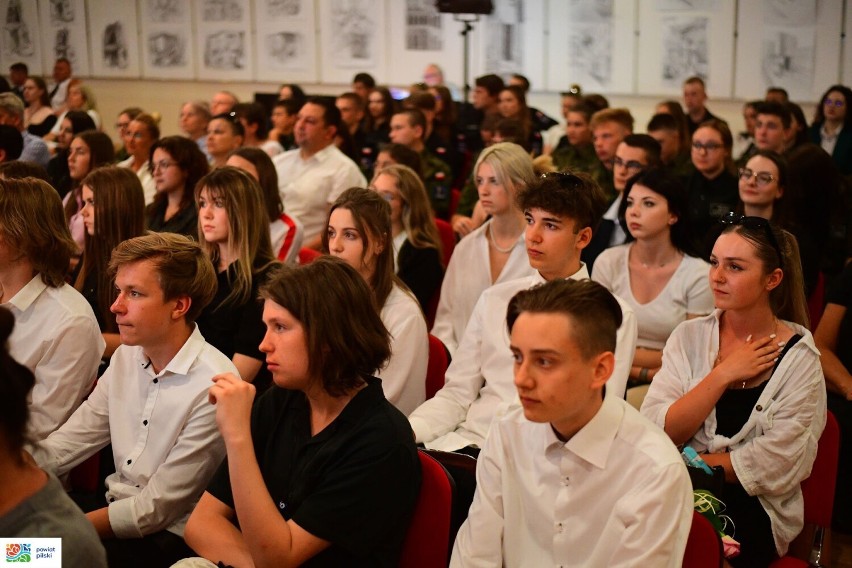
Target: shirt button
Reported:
point(144, 422)
point(111, 499)
point(759, 408)
point(129, 462)
point(156, 381)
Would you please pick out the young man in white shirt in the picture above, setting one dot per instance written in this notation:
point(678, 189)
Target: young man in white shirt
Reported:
point(56, 333)
point(151, 404)
point(573, 478)
point(561, 211)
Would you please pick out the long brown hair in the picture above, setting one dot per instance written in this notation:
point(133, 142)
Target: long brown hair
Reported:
point(417, 216)
point(119, 204)
point(101, 153)
point(189, 158)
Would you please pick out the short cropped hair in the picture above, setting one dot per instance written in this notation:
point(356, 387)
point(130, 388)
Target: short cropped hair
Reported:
point(663, 121)
point(421, 100)
point(695, 80)
point(331, 114)
point(573, 196)
point(32, 222)
point(620, 116)
point(647, 144)
point(182, 267)
point(355, 99)
point(11, 104)
point(254, 113)
point(491, 83)
point(415, 118)
point(590, 307)
point(19, 67)
point(365, 79)
point(776, 109)
point(404, 155)
point(525, 83)
point(345, 336)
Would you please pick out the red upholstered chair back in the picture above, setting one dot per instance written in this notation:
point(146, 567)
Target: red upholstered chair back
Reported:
point(818, 488)
point(307, 255)
point(437, 366)
point(428, 539)
point(703, 547)
point(448, 239)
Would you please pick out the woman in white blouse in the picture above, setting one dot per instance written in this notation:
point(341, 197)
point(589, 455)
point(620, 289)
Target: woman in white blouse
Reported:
point(495, 252)
point(654, 272)
point(744, 386)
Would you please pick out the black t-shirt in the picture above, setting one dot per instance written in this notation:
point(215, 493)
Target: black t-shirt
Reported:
point(185, 222)
point(421, 270)
point(840, 293)
point(354, 484)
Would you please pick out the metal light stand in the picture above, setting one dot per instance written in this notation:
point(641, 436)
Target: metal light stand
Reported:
point(467, 21)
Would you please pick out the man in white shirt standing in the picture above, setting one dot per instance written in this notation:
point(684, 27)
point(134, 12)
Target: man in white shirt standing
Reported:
point(151, 404)
point(573, 478)
point(561, 211)
point(56, 333)
point(311, 177)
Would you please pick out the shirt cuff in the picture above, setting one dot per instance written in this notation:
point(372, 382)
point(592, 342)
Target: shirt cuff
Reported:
point(122, 519)
point(422, 432)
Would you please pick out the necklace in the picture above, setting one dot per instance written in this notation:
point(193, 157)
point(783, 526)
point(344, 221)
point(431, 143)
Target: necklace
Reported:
point(745, 381)
point(494, 244)
point(653, 264)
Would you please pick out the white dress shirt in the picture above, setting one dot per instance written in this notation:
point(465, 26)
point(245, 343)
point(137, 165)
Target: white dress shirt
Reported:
point(616, 494)
point(776, 447)
point(163, 434)
point(57, 337)
point(404, 377)
point(618, 236)
point(480, 381)
point(146, 178)
point(309, 186)
point(686, 292)
point(468, 276)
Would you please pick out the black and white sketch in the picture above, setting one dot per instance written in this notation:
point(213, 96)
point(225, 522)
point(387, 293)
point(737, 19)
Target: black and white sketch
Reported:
point(166, 50)
point(788, 59)
point(795, 13)
point(283, 8)
point(114, 54)
point(504, 37)
point(225, 50)
point(691, 5)
point(61, 12)
point(62, 47)
point(285, 48)
point(353, 32)
point(423, 26)
point(17, 40)
point(685, 52)
point(589, 35)
point(167, 11)
point(221, 11)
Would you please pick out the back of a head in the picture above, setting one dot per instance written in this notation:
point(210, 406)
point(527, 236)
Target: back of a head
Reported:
point(491, 83)
point(569, 196)
point(20, 170)
point(11, 143)
point(404, 155)
point(11, 104)
point(619, 116)
point(338, 314)
point(421, 100)
point(182, 267)
point(17, 381)
point(32, 222)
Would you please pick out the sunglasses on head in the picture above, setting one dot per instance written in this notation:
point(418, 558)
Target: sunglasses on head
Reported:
point(754, 224)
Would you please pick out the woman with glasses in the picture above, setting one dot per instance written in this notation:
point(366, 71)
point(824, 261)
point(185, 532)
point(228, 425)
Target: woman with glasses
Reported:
point(765, 191)
point(225, 133)
point(142, 132)
point(494, 252)
point(176, 164)
point(832, 126)
point(744, 386)
point(121, 124)
point(712, 187)
point(655, 272)
point(415, 238)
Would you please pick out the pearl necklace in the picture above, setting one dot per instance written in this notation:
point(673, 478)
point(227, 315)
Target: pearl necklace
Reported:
point(494, 244)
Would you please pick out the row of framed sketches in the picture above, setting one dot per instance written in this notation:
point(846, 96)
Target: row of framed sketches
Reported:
point(620, 47)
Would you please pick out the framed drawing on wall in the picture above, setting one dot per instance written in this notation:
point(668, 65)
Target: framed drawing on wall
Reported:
point(514, 41)
point(352, 36)
point(286, 41)
point(679, 39)
point(167, 44)
point(582, 50)
point(794, 45)
point(114, 39)
point(223, 40)
point(64, 33)
point(21, 40)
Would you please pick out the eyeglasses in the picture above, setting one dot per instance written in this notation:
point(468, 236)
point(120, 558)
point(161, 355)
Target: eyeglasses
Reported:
point(632, 165)
point(162, 165)
point(709, 146)
point(121, 125)
point(754, 224)
point(760, 178)
point(838, 103)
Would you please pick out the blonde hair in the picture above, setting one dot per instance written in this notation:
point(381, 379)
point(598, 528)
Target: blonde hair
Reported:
point(248, 233)
point(512, 166)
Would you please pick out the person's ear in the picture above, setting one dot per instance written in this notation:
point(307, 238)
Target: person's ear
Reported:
point(583, 238)
point(773, 280)
point(604, 363)
point(182, 305)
